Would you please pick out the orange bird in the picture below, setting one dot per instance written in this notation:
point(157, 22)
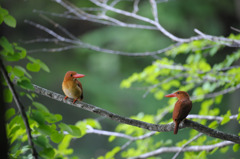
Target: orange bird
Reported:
point(182, 107)
point(72, 87)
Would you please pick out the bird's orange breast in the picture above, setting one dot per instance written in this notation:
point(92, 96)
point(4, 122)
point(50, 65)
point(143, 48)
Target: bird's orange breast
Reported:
point(71, 89)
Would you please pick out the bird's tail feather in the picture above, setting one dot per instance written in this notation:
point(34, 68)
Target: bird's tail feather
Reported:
point(176, 127)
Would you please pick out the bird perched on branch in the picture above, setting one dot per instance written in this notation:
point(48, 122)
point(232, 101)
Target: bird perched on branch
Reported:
point(182, 107)
point(72, 87)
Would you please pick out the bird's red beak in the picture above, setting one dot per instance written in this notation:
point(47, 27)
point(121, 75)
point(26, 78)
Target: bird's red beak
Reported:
point(171, 95)
point(78, 76)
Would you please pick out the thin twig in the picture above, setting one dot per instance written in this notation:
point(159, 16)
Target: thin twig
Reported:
point(222, 40)
point(20, 108)
point(99, 20)
point(235, 29)
point(96, 48)
point(70, 35)
point(141, 18)
point(187, 143)
point(208, 117)
point(90, 130)
point(189, 148)
point(154, 10)
point(54, 49)
point(135, 6)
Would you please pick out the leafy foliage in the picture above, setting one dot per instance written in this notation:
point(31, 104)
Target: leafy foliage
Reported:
point(47, 128)
point(206, 83)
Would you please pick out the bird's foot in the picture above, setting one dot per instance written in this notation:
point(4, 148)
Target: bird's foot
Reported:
point(75, 100)
point(66, 97)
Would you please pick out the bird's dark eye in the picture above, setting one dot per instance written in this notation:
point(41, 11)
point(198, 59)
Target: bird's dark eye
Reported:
point(71, 75)
point(177, 92)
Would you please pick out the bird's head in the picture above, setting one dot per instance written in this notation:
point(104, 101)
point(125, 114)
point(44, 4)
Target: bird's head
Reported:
point(178, 94)
point(72, 75)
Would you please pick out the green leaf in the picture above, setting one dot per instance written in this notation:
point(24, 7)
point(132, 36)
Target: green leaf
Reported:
point(39, 63)
point(64, 145)
point(226, 118)
point(38, 117)
point(9, 68)
point(111, 138)
point(43, 66)
point(112, 153)
point(18, 71)
point(45, 130)
point(25, 148)
point(57, 137)
point(40, 107)
point(29, 96)
point(214, 150)
point(82, 125)
point(34, 67)
point(75, 131)
point(53, 118)
point(3, 12)
point(25, 83)
point(93, 123)
point(10, 21)
point(236, 147)
point(224, 149)
point(47, 153)
point(214, 50)
point(159, 95)
point(213, 124)
point(42, 141)
point(6, 45)
point(71, 129)
point(7, 95)
point(21, 52)
point(9, 113)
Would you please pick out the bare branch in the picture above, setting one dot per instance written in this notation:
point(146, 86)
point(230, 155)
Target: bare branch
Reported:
point(49, 31)
point(141, 18)
point(235, 29)
point(131, 139)
point(208, 117)
point(222, 40)
point(54, 49)
point(96, 48)
point(42, 40)
point(70, 35)
point(154, 10)
point(135, 6)
point(187, 143)
point(190, 148)
point(90, 130)
point(20, 108)
point(101, 20)
point(137, 123)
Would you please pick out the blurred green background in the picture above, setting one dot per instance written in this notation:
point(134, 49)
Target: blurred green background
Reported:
point(104, 72)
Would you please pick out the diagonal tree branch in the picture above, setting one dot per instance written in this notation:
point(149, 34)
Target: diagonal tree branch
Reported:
point(137, 123)
point(138, 17)
point(20, 108)
point(4, 146)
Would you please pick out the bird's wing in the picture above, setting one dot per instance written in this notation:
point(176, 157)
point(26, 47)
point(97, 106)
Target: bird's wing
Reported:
point(185, 108)
point(79, 84)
